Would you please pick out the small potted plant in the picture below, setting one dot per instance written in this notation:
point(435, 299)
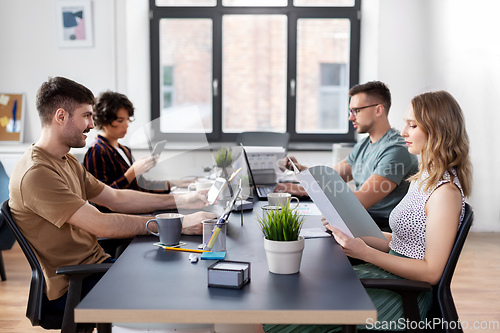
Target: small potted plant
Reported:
point(281, 228)
point(223, 157)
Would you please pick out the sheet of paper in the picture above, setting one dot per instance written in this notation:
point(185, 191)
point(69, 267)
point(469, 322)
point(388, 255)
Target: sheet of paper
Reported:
point(313, 233)
point(4, 99)
point(308, 208)
point(321, 200)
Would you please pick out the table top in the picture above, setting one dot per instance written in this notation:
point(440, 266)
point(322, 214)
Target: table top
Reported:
point(150, 284)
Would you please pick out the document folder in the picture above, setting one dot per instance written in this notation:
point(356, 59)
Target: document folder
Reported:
point(336, 202)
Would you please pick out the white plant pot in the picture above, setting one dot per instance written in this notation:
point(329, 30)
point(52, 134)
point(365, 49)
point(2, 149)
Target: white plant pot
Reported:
point(284, 257)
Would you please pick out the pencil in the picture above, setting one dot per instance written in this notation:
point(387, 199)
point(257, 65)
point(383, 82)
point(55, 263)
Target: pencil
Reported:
point(181, 249)
point(212, 240)
point(234, 175)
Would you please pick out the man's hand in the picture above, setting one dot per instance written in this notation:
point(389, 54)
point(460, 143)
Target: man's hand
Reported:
point(294, 189)
point(191, 225)
point(285, 164)
point(192, 200)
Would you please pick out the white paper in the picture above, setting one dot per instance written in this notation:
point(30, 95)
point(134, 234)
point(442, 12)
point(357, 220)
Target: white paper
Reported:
point(308, 208)
point(4, 99)
point(313, 233)
point(320, 199)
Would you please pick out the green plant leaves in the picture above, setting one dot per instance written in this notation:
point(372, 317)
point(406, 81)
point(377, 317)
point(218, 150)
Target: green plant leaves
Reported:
point(281, 224)
point(220, 157)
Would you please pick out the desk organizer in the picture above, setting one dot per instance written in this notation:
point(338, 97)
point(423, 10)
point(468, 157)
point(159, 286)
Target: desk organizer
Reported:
point(229, 274)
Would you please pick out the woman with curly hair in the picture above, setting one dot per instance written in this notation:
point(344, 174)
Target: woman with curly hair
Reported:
point(113, 163)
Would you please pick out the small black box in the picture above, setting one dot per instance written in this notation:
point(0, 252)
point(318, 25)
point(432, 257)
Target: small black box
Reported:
point(229, 274)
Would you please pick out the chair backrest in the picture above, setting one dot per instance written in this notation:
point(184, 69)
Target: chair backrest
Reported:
point(264, 139)
point(445, 300)
point(7, 239)
point(34, 309)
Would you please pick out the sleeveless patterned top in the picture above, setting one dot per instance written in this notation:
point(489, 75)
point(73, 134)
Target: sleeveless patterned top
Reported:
point(408, 219)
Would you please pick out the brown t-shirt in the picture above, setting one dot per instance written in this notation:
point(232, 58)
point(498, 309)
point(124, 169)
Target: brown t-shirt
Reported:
point(45, 192)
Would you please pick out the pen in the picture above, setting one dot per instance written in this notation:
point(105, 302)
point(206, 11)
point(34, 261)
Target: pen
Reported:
point(180, 249)
point(14, 111)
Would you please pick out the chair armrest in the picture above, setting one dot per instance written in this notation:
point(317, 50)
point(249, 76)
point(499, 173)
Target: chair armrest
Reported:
point(114, 246)
point(76, 274)
point(397, 284)
point(83, 269)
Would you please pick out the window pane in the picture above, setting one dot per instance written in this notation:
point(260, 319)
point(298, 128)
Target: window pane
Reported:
point(186, 2)
point(324, 3)
point(255, 3)
point(254, 73)
point(186, 78)
point(322, 75)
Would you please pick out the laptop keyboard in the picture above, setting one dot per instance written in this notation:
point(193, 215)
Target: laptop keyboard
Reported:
point(264, 190)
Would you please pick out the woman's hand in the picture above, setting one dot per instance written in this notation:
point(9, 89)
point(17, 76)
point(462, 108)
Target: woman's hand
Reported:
point(144, 164)
point(353, 247)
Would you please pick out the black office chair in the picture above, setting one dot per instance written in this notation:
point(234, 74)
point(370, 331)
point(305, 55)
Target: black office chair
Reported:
point(443, 306)
point(76, 273)
point(264, 139)
point(7, 239)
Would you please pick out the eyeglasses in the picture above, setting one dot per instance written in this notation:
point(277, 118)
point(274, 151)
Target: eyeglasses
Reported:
point(355, 111)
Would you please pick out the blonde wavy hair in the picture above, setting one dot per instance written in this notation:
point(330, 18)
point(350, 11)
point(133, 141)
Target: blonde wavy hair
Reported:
point(440, 117)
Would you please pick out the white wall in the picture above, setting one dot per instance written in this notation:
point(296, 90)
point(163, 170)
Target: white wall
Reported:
point(453, 45)
point(28, 31)
point(412, 45)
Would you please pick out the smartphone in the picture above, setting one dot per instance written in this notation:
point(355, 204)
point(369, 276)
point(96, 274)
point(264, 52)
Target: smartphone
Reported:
point(159, 147)
point(215, 190)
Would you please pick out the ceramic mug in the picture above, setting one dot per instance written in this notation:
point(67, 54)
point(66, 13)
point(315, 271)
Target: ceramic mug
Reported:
point(169, 228)
point(200, 184)
point(277, 199)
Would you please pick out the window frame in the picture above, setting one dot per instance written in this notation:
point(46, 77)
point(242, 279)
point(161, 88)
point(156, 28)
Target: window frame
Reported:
point(216, 13)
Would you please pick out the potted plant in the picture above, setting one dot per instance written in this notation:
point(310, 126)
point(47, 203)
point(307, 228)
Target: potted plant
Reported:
point(281, 228)
point(223, 157)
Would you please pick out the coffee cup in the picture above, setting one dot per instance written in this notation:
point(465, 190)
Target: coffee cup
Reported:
point(169, 228)
point(281, 199)
point(200, 184)
point(269, 208)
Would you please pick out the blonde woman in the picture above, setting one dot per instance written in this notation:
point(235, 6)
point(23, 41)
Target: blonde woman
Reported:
point(424, 224)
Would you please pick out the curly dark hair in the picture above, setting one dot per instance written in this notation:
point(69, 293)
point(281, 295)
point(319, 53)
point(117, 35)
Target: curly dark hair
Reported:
point(107, 106)
point(375, 89)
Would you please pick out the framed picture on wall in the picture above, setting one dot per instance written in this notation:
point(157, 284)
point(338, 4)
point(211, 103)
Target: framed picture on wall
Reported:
point(11, 117)
point(74, 23)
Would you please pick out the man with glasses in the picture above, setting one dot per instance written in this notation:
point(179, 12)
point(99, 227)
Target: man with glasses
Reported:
point(379, 164)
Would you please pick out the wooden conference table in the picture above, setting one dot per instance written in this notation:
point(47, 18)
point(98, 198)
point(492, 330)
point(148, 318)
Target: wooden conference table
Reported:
point(150, 285)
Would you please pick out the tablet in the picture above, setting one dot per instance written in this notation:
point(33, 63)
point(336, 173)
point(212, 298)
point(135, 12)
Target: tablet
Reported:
point(159, 147)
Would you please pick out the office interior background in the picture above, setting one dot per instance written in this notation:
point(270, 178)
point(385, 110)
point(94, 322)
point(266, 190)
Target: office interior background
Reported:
point(414, 46)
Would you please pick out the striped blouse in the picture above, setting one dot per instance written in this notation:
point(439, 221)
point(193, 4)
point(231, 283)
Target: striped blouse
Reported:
point(104, 162)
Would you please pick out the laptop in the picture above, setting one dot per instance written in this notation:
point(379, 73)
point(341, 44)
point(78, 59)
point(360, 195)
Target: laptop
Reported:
point(263, 184)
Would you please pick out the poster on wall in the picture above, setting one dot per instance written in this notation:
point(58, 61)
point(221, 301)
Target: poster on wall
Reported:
point(74, 23)
point(11, 117)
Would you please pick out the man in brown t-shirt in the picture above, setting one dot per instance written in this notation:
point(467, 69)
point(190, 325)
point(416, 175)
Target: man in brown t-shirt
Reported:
point(49, 190)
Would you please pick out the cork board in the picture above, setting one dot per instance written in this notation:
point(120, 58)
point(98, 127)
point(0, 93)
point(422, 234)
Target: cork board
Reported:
point(11, 117)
